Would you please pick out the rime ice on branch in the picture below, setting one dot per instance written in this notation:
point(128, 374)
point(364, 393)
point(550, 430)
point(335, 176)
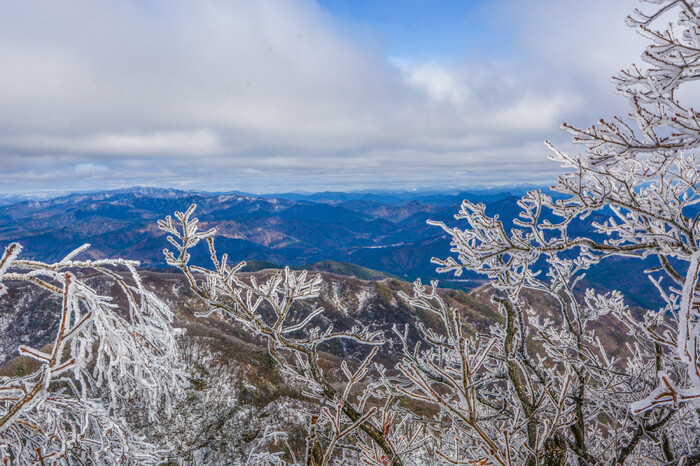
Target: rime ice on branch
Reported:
point(538, 390)
point(105, 360)
point(533, 389)
point(270, 309)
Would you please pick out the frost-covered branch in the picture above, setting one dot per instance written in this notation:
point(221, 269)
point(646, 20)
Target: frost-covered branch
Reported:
point(271, 309)
point(634, 192)
point(105, 360)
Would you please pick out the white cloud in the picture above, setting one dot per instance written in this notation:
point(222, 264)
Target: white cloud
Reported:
point(165, 143)
point(231, 93)
point(438, 83)
point(575, 45)
point(90, 169)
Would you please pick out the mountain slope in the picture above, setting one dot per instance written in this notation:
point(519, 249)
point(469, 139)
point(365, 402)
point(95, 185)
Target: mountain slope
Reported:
point(383, 232)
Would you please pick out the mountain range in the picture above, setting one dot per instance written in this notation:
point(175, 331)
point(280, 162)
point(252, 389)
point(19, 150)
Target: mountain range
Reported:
point(369, 235)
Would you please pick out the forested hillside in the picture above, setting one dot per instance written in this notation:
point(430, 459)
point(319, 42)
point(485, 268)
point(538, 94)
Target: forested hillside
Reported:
point(384, 232)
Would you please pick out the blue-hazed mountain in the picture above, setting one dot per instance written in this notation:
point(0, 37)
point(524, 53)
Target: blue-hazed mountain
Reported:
point(123, 223)
point(384, 231)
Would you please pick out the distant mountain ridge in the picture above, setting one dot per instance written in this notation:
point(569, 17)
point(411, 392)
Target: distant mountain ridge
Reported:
point(367, 232)
point(122, 223)
point(384, 197)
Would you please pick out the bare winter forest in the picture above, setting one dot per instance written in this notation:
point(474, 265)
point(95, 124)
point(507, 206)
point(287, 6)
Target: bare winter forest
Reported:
point(538, 358)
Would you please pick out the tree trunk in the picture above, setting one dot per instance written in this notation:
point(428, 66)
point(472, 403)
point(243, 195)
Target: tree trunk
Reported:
point(554, 452)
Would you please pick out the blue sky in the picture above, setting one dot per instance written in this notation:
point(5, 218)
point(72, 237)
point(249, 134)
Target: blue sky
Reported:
point(276, 95)
point(420, 30)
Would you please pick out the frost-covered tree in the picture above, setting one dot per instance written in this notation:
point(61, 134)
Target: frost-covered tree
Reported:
point(539, 390)
point(534, 388)
point(353, 411)
point(111, 356)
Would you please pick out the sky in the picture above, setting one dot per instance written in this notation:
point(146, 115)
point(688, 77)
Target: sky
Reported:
point(313, 95)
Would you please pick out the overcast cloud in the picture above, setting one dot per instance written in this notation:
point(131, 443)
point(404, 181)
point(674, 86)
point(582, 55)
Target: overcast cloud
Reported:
point(279, 94)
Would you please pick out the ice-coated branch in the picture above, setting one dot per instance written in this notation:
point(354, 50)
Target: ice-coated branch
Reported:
point(273, 309)
point(634, 192)
point(686, 349)
point(105, 360)
point(501, 407)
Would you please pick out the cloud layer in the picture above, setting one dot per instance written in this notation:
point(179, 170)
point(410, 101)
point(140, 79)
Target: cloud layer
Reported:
point(279, 94)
